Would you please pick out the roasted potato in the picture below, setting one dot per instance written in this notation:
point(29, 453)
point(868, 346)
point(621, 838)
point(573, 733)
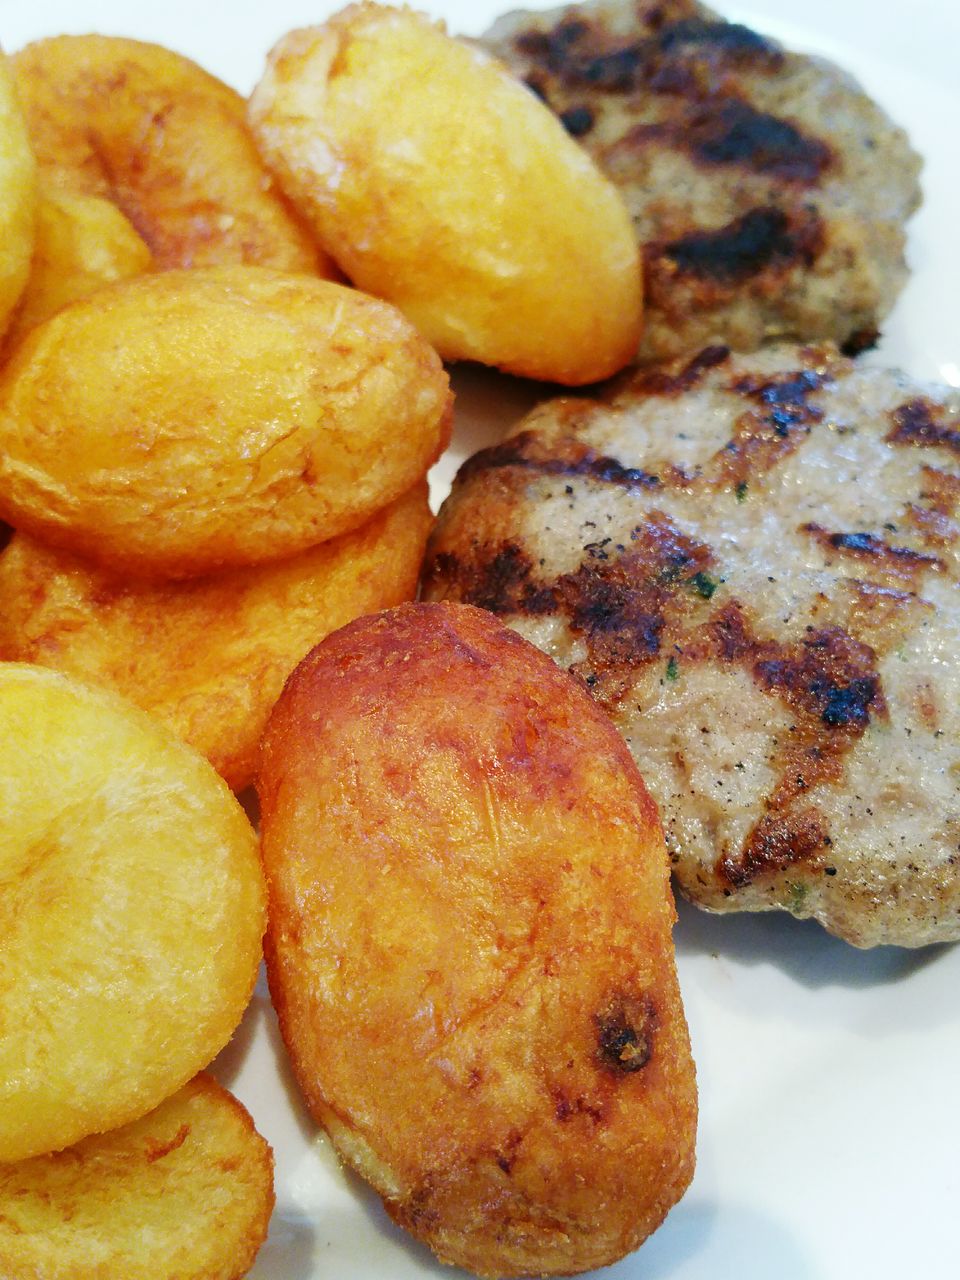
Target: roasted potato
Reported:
point(176, 424)
point(131, 913)
point(208, 656)
point(18, 182)
point(82, 243)
point(185, 1193)
point(438, 181)
point(153, 133)
point(469, 943)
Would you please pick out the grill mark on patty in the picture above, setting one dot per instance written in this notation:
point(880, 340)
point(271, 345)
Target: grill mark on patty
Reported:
point(935, 528)
point(728, 132)
point(829, 680)
point(778, 841)
point(578, 120)
point(764, 436)
point(620, 605)
point(565, 457)
point(663, 381)
point(941, 490)
point(925, 424)
point(497, 578)
point(898, 562)
point(879, 615)
point(668, 57)
point(627, 605)
point(766, 240)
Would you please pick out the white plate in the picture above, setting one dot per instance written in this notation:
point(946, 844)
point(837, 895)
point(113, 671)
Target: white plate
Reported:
point(830, 1127)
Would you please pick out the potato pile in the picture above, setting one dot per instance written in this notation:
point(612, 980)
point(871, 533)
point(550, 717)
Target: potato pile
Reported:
point(179, 427)
point(132, 916)
point(221, 390)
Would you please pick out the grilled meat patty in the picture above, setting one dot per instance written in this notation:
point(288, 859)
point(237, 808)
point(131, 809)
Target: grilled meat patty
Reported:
point(752, 561)
point(769, 192)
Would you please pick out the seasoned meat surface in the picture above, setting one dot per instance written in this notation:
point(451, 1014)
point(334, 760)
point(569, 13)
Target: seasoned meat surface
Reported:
point(752, 561)
point(769, 192)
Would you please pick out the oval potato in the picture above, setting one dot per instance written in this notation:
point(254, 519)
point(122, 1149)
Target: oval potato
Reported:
point(207, 656)
point(185, 1193)
point(131, 912)
point(469, 943)
point(438, 181)
point(175, 424)
point(166, 143)
point(82, 243)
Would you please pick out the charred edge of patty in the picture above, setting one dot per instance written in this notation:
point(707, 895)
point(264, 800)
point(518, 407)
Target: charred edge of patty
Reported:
point(762, 242)
point(677, 378)
point(566, 457)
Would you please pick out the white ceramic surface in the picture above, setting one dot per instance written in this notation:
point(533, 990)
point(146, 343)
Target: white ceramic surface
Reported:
point(830, 1125)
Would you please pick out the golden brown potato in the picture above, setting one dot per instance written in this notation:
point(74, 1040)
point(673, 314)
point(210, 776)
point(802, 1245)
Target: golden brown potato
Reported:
point(469, 943)
point(208, 656)
point(176, 424)
point(153, 133)
point(131, 913)
point(82, 243)
point(183, 1194)
point(17, 196)
point(439, 182)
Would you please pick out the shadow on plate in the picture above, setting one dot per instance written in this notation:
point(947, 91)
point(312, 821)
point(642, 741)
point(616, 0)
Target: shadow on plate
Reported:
point(699, 1238)
point(801, 948)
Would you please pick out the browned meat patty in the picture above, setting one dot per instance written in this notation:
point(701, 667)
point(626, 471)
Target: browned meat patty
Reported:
point(767, 189)
point(752, 561)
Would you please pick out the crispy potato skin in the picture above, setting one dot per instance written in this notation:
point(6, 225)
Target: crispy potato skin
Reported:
point(82, 243)
point(18, 182)
point(176, 424)
point(185, 1193)
point(131, 914)
point(208, 656)
point(164, 141)
point(469, 943)
point(439, 182)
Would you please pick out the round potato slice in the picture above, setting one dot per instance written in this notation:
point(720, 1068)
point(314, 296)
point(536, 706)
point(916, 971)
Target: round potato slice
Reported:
point(438, 181)
point(82, 243)
point(131, 912)
point(469, 943)
point(208, 656)
point(164, 141)
point(185, 1193)
point(18, 199)
point(175, 424)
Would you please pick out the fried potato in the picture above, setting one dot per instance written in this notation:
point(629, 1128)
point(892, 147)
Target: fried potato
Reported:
point(469, 943)
point(131, 912)
point(185, 1193)
point(153, 133)
point(18, 199)
point(438, 181)
point(180, 423)
point(208, 656)
point(82, 243)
